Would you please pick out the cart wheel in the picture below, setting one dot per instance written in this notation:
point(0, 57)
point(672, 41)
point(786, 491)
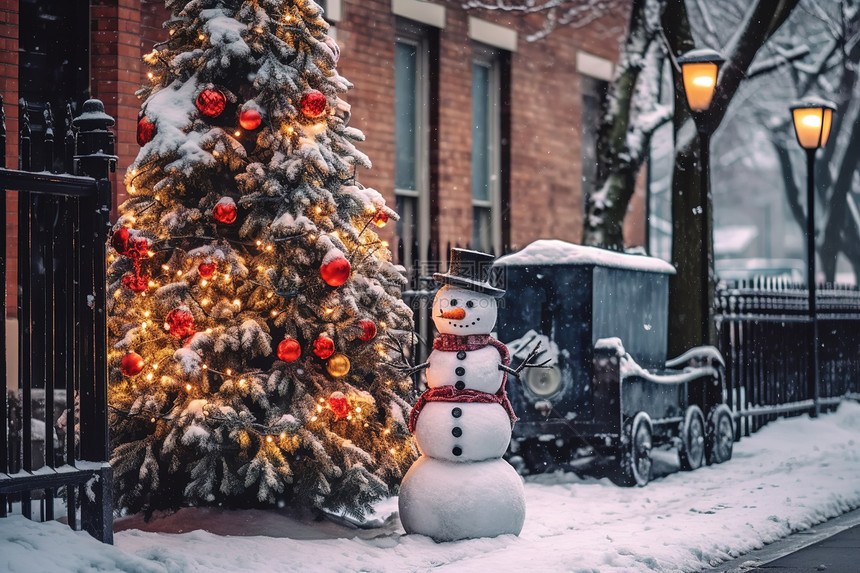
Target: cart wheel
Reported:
point(692, 450)
point(634, 453)
point(720, 436)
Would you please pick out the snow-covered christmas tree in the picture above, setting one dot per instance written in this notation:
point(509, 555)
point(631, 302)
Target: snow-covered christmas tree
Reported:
point(254, 315)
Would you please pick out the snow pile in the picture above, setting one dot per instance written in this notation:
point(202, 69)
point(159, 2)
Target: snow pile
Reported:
point(555, 252)
point(786, 478)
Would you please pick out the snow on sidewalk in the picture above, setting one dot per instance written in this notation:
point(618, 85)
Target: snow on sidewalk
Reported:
point(786, 478)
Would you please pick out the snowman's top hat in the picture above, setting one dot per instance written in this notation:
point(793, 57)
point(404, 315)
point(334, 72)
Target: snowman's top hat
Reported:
point(470, 270)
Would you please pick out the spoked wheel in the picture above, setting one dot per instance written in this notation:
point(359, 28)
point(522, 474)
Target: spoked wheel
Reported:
point(634, 454)
point(692, 450)
point(720, 436)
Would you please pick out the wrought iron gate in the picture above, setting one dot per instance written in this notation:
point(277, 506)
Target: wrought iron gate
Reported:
point(63, 221)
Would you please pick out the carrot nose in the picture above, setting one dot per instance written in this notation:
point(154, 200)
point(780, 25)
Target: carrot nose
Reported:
point(454, 314)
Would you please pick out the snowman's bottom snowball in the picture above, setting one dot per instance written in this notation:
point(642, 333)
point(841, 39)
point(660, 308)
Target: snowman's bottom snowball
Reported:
point(449, 500)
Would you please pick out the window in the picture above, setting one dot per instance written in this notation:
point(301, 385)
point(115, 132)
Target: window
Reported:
point(411, 158)
point(486, 152)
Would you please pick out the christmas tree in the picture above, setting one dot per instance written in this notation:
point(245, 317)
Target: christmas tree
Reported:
point(255, 320)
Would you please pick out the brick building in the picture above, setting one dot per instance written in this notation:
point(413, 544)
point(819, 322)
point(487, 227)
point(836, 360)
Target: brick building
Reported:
point(478, 135)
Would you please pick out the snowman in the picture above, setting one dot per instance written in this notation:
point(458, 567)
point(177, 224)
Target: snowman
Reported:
point(460, 487)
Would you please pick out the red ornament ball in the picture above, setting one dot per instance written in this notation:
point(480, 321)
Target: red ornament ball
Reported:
point(206, 270)
point(380, 219)
point(368, 328)
point(145, 131)
point(289, 350)
point(339, 404)
point(313, 104)
point(137, 248)
point(225, 210)
point(211, 103)
point(323, 346)
point(136, 282)
point(179, 323)
point(119, 240)
point(335, 272)
point(250, 119)
point(132, 363)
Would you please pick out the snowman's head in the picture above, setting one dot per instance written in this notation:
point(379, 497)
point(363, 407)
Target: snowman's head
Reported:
point(460, 311)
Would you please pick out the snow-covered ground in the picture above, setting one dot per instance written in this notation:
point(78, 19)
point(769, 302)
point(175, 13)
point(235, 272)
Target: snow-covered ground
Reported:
point(786, 478)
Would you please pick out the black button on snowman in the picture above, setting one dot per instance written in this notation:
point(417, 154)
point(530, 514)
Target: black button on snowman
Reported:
point(461, 487)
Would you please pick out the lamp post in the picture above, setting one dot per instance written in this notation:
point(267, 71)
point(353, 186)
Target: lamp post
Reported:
point(812, 120)
point(699, 71)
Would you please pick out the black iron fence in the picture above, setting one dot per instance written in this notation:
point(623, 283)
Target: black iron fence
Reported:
point(54, 417)
point(766, 337)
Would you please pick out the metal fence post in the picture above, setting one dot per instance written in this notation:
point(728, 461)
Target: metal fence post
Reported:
point(94, 157)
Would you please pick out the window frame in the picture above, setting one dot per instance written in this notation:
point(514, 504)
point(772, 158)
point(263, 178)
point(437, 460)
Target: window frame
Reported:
point(416, 35)
point(492, 59)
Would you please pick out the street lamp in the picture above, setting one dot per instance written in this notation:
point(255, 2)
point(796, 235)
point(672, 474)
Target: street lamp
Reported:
point(812, 120)
point(699, 71)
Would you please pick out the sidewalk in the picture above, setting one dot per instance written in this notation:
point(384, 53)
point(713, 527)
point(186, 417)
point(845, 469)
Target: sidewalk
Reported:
point(832, 546)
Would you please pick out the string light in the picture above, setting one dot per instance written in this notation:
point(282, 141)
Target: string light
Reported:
point(204, 282)
point(188, 387)
point(201, 36)
point(269, 439)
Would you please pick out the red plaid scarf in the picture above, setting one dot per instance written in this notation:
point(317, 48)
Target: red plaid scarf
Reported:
point(454, 343)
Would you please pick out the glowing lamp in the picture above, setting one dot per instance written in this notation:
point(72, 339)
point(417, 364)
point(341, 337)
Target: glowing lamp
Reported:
point(699, 69)
point(338, 365)
point(812, 121)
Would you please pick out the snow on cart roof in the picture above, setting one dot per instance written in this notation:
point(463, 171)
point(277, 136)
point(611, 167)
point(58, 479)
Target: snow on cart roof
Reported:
point(555, 252)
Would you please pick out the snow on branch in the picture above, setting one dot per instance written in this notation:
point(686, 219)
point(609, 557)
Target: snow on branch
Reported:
point(572, 13)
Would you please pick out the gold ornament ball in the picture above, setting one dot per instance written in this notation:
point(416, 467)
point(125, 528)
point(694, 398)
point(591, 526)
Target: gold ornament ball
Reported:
point(338, 365)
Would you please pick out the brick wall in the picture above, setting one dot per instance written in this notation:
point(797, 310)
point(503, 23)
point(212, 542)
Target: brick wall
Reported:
point(115, 68)
point(545, 195)
point(9, 89)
